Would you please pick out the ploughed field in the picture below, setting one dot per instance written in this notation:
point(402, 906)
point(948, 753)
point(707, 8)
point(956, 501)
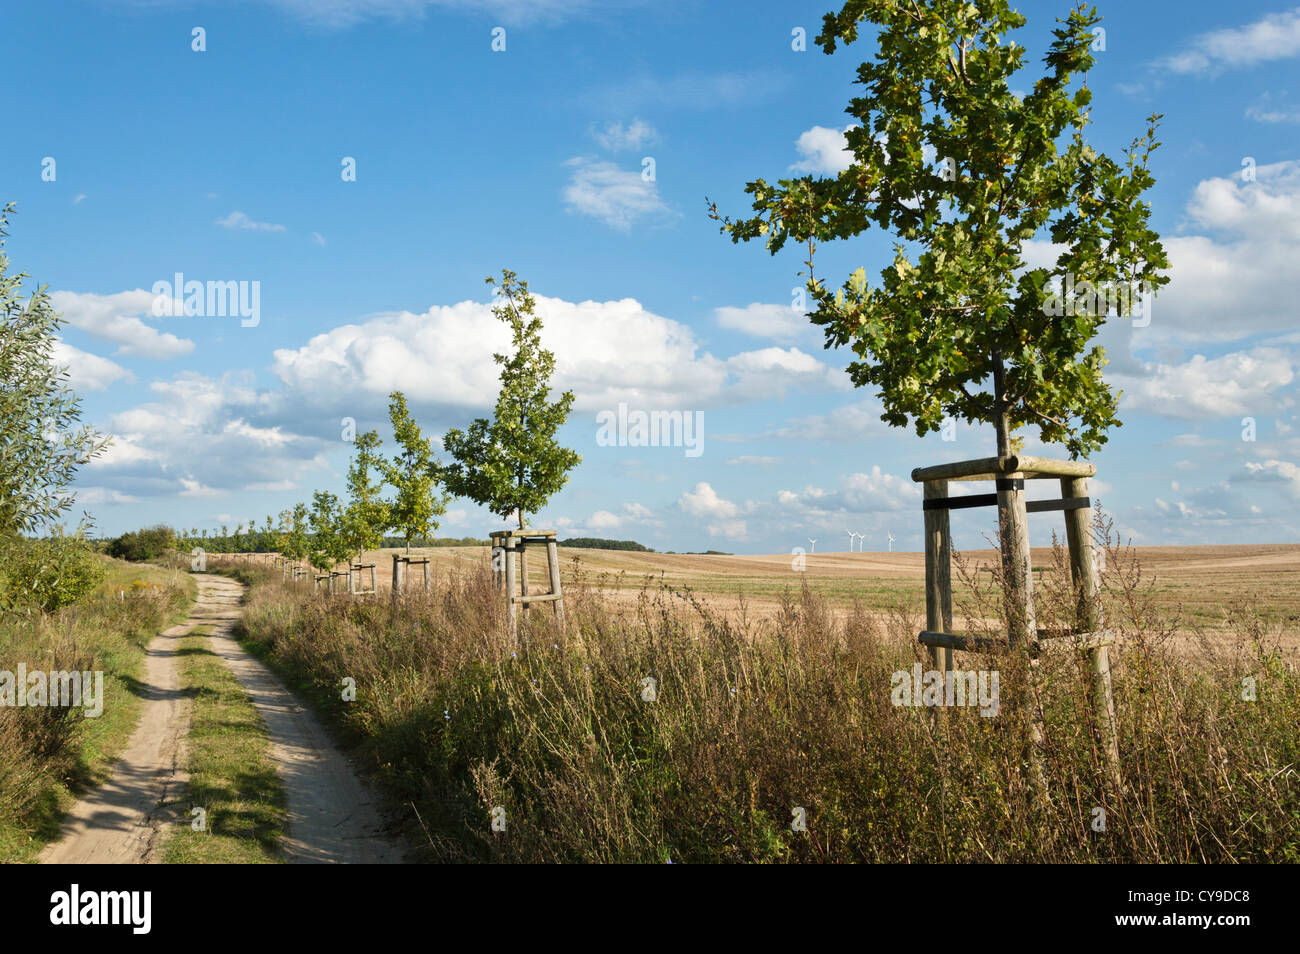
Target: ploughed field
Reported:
point(1200, 587)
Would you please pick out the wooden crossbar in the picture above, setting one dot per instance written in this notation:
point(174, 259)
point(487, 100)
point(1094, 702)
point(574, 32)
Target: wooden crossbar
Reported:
point(1052, 641)
point(987, 468)
point(955, 641)
point(538, 598)
point(1103, 637)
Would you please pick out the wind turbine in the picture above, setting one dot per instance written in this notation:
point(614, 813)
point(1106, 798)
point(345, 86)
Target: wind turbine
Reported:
point(891, 541)
point(851, 536)
point(812, 545)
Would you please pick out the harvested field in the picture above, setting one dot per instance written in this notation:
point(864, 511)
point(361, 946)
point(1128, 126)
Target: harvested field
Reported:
point(1199, 586)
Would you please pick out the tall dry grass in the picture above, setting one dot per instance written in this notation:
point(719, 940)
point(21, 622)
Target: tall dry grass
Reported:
point(49, 752)
point(754, 719)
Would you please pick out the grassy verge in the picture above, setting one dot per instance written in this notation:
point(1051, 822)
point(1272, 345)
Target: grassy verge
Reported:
point(49, 755)
point(231, 775)
point(746, 724)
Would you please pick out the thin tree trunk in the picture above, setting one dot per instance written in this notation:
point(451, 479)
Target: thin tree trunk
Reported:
point(1013, 537)
point(1001, 412)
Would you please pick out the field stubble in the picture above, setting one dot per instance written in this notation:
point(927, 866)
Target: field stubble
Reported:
point(1195, 589)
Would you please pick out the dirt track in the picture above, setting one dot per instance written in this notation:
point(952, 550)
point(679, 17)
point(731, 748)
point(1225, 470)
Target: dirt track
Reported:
point(123, 820)
point(331, 816)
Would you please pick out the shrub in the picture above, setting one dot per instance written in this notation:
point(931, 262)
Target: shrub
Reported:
point(140, 545)
point(47, 574)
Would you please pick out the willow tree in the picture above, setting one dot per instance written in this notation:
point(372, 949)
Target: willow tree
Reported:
point(513, 464)
point(42, 443)
point(973, 181)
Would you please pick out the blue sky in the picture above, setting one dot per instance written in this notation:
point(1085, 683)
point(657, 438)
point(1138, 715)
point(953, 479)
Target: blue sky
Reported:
point(226, 165)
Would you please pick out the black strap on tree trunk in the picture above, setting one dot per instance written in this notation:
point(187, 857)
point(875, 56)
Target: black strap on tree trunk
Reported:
point(991, 500)
point(1067, 503)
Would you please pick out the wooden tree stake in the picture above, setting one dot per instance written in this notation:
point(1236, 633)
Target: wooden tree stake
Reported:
point(938, 573)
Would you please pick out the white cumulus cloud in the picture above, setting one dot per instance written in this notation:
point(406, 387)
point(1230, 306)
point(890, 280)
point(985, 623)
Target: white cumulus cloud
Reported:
point(619, 197)
point(86, 371)
point(606, 352)
point(116, 318)
point(1275, 36)
point(617, 137)
point(1242, 382)
point(722, 515)
point(764, 321)
point(825, 151)
point(238, 220)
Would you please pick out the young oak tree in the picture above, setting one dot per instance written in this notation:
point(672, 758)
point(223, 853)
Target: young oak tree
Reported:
point(41, 445)
point(414, 475)
point(329, 545)
point(279, 534)
point(295, 545)
point(966, 174)
point(513, 464)
point(367, 515)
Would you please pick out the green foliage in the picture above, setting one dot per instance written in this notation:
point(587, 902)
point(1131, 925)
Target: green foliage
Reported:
point(40, 445)
point(277, 533)
point(596, 543)
point(47, 574)
point(267, 536)
point(140, 545)
point(295, 545)
point(513, 464)
point(329, 543)
point(367, 514)
point(414, 474)
point(958, 325)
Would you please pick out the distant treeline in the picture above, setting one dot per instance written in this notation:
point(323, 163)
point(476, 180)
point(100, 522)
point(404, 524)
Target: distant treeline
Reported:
point(151, 543)
point(437, 542)
point(596, 543)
